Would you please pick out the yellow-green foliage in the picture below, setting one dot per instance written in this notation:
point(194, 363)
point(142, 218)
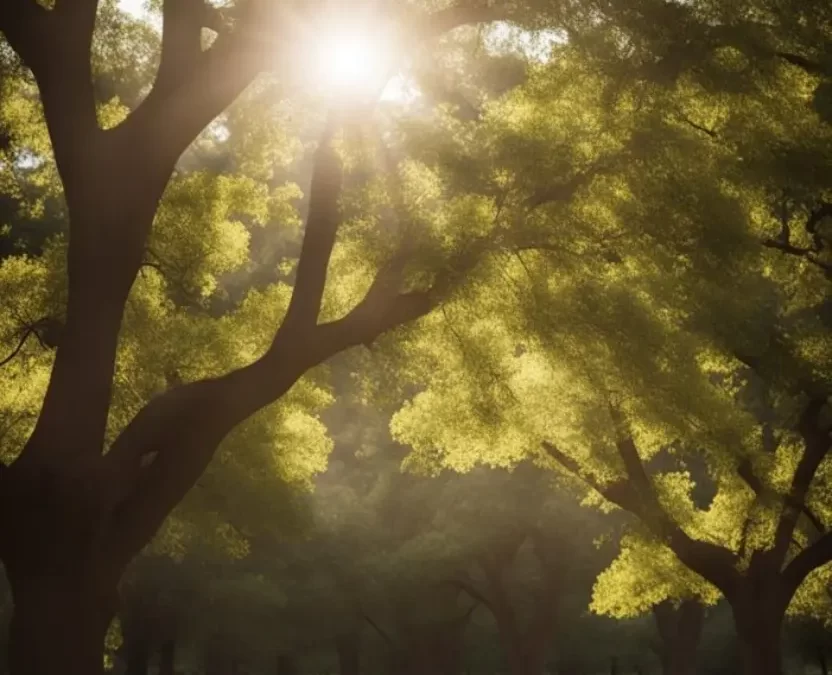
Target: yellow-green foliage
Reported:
point(644, 574)
point(112, 643)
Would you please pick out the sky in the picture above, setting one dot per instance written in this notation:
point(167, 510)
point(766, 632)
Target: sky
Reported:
point(134, 7)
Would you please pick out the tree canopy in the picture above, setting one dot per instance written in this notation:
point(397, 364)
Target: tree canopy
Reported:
point(538, 300)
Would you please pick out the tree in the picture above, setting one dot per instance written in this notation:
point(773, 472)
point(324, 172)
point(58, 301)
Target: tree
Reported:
point(94, 511)
point(671, 301)
point(646, 577)
point(523, 554)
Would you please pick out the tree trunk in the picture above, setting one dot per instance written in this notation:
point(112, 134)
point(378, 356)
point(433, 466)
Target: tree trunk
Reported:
point(680, 629)
point(58, 625)
point(527, 658)
point(167, 658)
point(759, 619)
point(822, 661)
point(349, 657)
point(286, 665)
point(138, 657)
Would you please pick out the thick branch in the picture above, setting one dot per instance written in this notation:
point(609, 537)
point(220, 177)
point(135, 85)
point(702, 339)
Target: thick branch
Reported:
point(25, 24)
point(182, 22)
point(808, 560)
point(179, 107)
point(319, 238)
point(62, 71)
point(746, 472)
point(183, 427)
point(816, 446)
point(635, 494)
point(811, 67)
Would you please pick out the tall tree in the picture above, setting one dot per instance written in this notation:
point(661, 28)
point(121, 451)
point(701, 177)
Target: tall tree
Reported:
point(92, 512)
point(672, 300)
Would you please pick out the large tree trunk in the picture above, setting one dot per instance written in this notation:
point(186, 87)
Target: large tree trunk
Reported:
point(286, 664)
point(138, 657)
point(758, 618)
point(680, 629)
point(349, 655)
point(435, 650)
point(528, 657)
point(824, 669)
point(167, 658)
point(58, 626)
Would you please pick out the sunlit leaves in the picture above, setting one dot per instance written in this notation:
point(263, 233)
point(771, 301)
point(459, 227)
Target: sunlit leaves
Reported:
point(644, 574)
point(200, 230)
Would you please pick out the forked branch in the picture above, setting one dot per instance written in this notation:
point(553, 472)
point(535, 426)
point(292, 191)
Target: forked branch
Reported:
point(634, 493)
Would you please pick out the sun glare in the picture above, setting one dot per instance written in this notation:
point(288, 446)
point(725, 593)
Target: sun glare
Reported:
point(353, 61)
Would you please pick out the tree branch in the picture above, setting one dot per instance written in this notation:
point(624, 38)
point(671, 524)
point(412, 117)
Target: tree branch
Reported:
point(25, 24)
point(63, 73)
point(319, 238)
point(809, 559)
point(471, 590)
point(816, 446)
point(29, 331)
point(192, 89)
point(699, 127)
point(182, 22)
point(563, 192)
point(746, 472)
point(378, 629)
point(635, 494)
point(811, 67)
point(808, 254)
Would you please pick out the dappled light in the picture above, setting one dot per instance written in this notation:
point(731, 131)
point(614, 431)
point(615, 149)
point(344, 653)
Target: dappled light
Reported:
point(415, 337)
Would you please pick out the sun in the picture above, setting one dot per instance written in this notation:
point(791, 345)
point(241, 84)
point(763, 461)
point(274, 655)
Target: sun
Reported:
point(353, 60)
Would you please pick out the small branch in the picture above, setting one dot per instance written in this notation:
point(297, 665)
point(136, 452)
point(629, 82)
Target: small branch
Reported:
point(471, 590)
point(469, 612)
point(563, 192)
point(811, 67)
point(808, 254)
point(705, 130)
point(815, 217)
point(17, 349)
point(384, 635)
